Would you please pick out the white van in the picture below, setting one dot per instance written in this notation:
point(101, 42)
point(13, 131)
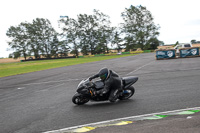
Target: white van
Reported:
point(182, 45)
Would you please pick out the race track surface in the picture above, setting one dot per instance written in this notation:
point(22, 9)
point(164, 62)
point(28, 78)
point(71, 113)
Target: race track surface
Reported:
point(41, 101)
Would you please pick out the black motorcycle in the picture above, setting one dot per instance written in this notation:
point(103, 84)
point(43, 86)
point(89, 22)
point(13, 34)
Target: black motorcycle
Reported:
point(86, 90)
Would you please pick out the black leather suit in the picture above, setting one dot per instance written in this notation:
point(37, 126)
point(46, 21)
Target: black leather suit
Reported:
point(113, 84)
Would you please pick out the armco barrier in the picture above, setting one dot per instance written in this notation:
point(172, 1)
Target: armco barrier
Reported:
point(147, 51)
point(99, 54)
point(48, 58)
point(189, 52)
point(125, 52)
point(165, 54)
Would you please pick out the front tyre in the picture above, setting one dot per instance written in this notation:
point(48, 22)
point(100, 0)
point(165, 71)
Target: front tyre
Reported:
point(79, 99)
point(127, 93)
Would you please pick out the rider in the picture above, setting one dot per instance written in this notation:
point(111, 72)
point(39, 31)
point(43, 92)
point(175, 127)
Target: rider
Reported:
point(111, 82)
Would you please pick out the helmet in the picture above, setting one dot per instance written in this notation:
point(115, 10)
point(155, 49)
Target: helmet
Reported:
point(104, 73)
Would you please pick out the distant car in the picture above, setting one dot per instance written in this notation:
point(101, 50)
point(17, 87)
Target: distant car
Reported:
point(182, 45)
point(119, 53)
point(30, 58)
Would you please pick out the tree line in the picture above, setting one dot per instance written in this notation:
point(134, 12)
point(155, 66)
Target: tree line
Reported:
point(87, 34)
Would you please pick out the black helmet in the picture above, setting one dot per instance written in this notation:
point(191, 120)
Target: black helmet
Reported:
point(104, 73)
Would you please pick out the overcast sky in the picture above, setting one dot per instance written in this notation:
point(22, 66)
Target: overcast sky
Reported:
point(179, 19)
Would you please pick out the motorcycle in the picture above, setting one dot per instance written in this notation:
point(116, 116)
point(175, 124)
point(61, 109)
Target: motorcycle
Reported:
point(86, 90)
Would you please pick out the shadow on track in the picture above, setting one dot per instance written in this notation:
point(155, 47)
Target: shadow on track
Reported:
point(105, 104)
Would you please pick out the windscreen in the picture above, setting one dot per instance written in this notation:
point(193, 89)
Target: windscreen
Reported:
point(187, 45)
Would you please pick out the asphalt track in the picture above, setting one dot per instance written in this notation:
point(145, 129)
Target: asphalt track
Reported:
point(41, 101)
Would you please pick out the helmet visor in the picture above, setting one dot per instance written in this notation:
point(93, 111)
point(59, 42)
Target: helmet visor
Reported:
point(103, 77)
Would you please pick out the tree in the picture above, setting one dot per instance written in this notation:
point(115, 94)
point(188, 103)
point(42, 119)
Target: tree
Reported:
point(63, 48)
point(193, 41)
point(10, 56)
point(34, 35)
point(161, 43)
point(54, 46)
point(138, 27)
point(38, 37)
point(105, 37)
point(19, 40)
point(177, 43)
point(105, 31)
point(117, 40)
point(130, 43)
point(152, 44)
point(88, 33)
point(94, 32)
point(71, 32)
point(44, 34)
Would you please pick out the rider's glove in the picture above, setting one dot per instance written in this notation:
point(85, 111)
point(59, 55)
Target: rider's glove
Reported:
point(90, 79)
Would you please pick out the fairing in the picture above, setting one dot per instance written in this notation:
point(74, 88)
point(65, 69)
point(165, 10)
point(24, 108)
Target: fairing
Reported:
point(128, 81)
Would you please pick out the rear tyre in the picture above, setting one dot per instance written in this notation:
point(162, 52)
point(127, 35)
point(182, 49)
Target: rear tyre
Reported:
point(79, 99)
point(127, 93)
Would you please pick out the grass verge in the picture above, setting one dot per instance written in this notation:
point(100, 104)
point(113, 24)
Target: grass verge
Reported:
point(9, 69)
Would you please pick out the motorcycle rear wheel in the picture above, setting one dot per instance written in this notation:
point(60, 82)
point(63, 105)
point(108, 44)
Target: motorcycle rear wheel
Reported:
point(79, 99)
point(127, 93)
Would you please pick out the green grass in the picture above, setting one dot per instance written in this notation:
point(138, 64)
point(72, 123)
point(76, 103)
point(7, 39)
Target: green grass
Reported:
point(8, 69)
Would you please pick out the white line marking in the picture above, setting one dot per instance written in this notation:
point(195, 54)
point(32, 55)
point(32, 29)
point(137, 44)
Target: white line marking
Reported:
point(140, 68)
point(119, 119)
point(21, 88)
point(44, 82)
point(51, 81)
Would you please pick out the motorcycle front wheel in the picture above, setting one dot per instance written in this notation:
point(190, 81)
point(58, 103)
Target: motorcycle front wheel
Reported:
point(79, 99)
point(127, 93)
